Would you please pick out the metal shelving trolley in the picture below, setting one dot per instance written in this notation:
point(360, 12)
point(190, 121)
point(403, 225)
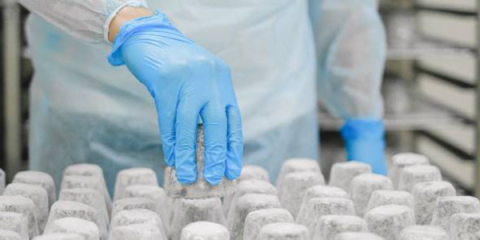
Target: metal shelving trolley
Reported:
point(432, 99)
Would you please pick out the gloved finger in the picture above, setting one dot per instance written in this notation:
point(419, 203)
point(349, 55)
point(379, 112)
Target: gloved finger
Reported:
point(235, 143)
point(186, 139)
point(166, 122)
point(215, 136)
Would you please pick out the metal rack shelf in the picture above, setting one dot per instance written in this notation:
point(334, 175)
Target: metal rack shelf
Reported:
point(444, 10)
point(453, 81)
point(407, 42)
point(425, 47)
point(427, 115)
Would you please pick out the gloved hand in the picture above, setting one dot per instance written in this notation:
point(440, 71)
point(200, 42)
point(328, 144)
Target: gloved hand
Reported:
point(186, 82)
point(364, 141)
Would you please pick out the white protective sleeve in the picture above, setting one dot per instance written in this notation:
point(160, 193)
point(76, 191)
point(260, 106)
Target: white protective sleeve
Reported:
point(351, 53)
point(85, 19)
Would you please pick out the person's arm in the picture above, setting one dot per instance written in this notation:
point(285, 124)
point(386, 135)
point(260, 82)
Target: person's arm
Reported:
point(85, 19)
point(124, 15)
point(187, 83)
point(351, 50)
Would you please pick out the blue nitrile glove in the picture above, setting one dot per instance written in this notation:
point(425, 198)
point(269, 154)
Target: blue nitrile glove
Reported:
point(365, 142)
point(187, 82)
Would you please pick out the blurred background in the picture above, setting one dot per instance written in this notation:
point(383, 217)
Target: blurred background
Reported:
point(430, 88)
